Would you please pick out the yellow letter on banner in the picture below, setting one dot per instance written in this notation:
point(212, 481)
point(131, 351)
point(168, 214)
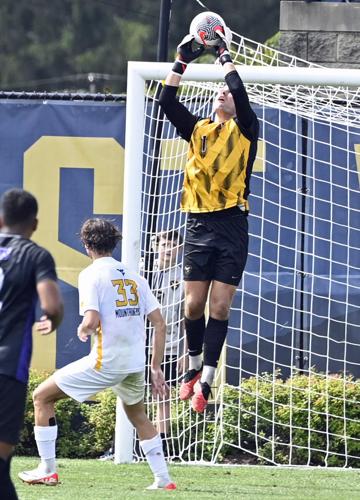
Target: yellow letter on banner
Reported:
point(42, 164)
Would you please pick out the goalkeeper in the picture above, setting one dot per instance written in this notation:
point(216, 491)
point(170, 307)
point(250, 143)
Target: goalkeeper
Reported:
point(215, 196)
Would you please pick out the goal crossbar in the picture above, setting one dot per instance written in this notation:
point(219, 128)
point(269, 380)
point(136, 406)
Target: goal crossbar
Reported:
point(250, 74)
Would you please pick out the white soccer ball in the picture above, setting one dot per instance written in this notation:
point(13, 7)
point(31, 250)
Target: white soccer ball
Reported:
point(204, 26)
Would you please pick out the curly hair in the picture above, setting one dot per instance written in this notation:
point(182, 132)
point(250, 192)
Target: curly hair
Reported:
point(100, 235)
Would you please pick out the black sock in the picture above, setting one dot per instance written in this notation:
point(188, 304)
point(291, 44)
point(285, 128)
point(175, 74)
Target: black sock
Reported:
point(164, 443)
point(7, 489)
point(214, 339)
point(195, 329)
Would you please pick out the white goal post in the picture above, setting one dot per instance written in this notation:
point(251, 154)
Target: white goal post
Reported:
point(319, 95)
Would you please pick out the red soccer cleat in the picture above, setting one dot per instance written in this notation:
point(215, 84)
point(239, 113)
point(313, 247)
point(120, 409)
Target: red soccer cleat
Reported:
point(38, 476)
point(201, 395)
point(158, 486)
point(187, 385)
point(170, 486)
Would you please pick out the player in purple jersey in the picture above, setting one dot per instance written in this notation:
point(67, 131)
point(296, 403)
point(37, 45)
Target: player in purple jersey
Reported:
point(27, 272)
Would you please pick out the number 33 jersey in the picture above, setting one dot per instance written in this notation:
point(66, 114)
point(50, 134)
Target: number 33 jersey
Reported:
point(122, 298)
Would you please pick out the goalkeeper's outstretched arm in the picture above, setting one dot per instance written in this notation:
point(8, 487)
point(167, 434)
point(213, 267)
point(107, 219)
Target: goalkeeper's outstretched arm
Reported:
point(246, 118)
point(177, 113)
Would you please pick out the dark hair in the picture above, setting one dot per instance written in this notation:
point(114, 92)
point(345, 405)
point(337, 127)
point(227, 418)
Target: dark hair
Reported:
point(100, 235)
point(171, 235)
point(18, 207)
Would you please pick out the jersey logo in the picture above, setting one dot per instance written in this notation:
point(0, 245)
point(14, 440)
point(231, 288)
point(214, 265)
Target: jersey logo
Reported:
point(203, 146)
point(121, 271)
point(174, 284)
point(187, 270)
point(5, 253)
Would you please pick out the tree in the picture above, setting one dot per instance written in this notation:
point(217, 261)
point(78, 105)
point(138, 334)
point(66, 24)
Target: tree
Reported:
point(55, 45)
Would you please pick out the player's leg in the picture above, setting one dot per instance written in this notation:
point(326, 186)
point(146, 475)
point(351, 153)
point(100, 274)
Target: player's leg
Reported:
point(151, 445)
point(12, 407)
point(163, 419)
point(79, 381)
point(45, 431)
point(220, 299)
point(196, 293)
point(131, 392)
point(197, 269)
point(169, 368)
point(163, 416)
point(163, 424)
point(230, 236)
point(163, 405)
point(7, 487)
point(221, 295)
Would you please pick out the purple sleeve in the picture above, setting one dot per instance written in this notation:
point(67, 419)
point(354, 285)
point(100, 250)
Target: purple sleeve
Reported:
point(44, 266)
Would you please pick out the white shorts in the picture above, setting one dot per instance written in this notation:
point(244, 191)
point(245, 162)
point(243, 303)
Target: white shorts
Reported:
point(80, 381)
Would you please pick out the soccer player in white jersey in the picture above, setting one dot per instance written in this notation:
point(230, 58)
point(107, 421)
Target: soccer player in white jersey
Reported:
point(168, 287)
point(113, 302)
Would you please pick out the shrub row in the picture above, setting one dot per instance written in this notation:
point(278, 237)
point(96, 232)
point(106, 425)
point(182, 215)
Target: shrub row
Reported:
point(309, 420)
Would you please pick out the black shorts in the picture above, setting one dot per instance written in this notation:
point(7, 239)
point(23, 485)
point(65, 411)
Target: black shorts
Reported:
point(12, 408)
point(216, 246)
point(169, 369)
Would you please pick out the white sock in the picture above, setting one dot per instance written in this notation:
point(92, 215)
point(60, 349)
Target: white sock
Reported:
point(208, 374)
point(195, 362)
point(45, 438)
point(155, 456)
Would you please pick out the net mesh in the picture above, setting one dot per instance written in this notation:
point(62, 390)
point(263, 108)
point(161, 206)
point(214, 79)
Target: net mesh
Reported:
point(287, 388)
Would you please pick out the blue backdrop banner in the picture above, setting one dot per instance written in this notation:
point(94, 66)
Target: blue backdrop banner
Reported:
point(298, 302)
point(70, 155)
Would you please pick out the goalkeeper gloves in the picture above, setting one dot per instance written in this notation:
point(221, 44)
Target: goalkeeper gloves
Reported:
point(222, 49)
point(185, 54)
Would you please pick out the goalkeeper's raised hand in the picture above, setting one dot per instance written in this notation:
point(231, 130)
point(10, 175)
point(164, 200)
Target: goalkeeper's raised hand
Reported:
point(186, 53)
point(222, 49)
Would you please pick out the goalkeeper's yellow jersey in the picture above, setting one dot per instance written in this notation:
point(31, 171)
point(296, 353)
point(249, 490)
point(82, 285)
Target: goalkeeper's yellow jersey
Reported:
point(218, 167)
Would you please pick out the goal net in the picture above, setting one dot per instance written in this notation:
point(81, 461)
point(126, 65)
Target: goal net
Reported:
point(287, 389)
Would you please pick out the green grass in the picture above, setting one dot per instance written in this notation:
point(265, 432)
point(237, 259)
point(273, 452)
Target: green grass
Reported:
point(95, 480)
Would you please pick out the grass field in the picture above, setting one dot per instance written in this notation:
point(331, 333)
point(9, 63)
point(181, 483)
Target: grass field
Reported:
point(95, 480)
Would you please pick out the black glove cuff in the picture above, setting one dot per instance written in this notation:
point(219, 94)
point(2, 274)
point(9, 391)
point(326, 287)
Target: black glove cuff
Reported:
point(225, 58)
point(179, 67)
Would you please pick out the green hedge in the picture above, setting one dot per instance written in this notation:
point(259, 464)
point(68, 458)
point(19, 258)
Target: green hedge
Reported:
point(269, 417)
point(273, 409)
